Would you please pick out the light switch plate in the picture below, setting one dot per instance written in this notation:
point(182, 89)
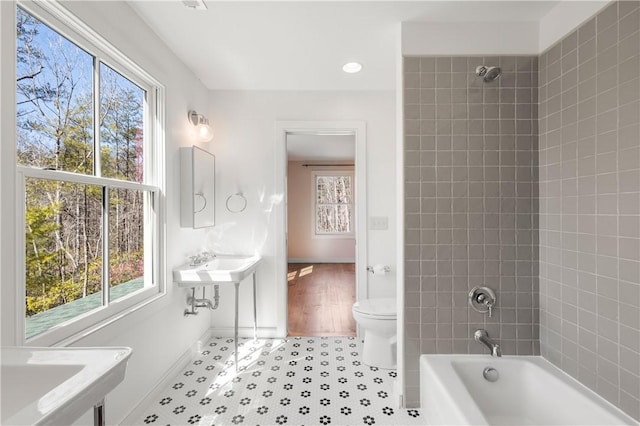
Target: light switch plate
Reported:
point(379, 223)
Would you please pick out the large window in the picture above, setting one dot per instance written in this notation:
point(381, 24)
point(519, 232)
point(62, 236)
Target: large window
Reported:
point(87, 153)
point(333, 207)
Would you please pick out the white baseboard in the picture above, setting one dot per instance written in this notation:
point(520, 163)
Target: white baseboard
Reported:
point(164, 381)
point(263, 332)
point(309, 260)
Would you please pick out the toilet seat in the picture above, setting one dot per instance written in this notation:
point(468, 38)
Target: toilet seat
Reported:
point(381, 308)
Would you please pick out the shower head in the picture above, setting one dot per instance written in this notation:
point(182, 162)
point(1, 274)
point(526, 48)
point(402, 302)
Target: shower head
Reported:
point(488, 74)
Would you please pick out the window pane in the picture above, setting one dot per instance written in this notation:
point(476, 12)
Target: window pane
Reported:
point(333, 204)
point(63, 252)
point(126, 242)
point(333, 189)
point(343, 189)
point(332, 219)
point(325, 189)
point(343, 218)
point(121, 126)
point(54, 99)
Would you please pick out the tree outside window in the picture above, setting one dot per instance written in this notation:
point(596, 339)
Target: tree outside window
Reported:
point(86, 180)
point(333, 204)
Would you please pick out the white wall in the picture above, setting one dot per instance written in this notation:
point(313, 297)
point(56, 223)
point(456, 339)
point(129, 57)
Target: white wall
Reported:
point(158, 333)
point(497, 38)
point(563, 18)
point(244, 145)
point(7, 175)
point(469, 38)
point(302, 246)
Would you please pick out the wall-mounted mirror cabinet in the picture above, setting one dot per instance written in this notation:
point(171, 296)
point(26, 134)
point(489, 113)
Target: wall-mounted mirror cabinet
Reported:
point(197, 179)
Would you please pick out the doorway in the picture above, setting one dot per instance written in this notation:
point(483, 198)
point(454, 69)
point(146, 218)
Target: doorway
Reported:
point(321, 238)
point(323, 263)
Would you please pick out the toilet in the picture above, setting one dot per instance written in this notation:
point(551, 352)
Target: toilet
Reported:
point(378, 319)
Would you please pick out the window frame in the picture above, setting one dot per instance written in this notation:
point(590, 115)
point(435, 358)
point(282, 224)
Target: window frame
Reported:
point(314, 205)
point(60, 20)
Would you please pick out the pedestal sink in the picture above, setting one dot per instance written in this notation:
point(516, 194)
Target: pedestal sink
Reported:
point(221, 269)
point(57, 385)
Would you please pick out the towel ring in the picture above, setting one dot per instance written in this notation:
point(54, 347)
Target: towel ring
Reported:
point(236, 203)
point(204, 206)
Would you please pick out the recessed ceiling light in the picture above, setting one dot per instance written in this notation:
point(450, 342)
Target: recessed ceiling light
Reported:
point(352, 67)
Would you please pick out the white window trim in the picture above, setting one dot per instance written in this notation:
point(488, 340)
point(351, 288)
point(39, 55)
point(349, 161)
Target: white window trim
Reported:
point(335, 236)
point(65, 23)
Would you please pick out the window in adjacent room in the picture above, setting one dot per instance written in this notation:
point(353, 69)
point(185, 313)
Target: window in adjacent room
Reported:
point(333, 205)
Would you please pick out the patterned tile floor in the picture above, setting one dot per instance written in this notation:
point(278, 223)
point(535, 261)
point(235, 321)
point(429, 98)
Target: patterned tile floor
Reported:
point(296, 381)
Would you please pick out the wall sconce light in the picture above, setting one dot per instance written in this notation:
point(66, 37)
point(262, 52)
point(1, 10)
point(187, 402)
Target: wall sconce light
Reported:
point(201, 124)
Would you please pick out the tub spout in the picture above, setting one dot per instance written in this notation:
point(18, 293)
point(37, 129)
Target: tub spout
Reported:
point(483, 337)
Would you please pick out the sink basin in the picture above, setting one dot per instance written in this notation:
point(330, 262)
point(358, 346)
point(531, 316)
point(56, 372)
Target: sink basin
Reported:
point(57, 385)
point(220, 269)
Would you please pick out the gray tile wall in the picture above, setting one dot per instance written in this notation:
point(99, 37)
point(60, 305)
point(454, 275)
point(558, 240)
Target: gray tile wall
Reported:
point(590, 204)
point(471, 197)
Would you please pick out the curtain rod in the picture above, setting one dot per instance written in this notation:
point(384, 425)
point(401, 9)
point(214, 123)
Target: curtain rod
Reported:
point(326, 165)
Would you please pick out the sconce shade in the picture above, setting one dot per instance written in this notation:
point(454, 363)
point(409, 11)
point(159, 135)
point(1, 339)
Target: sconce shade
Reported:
point(202, 127)
point(205, 132)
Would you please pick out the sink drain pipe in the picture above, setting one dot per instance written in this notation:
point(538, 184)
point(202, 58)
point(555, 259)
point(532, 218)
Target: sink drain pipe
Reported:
point(204, 302)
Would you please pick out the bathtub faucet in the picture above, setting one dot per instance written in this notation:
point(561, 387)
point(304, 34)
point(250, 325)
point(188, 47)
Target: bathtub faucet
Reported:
point(483, 337)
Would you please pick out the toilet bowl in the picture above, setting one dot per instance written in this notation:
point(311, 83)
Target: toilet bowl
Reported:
point(378, 319)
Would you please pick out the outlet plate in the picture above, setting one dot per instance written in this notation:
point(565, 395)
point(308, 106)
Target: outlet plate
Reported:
point(379, 223)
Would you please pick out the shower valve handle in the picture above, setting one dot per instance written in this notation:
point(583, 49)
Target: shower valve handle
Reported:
point(482, 299)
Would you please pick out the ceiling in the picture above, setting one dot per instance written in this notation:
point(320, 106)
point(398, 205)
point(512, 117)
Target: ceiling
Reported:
point(302, 45)
point(308, 147)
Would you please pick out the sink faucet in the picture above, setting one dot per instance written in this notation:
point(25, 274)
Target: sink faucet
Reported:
point(483, 337)
point(200, 258)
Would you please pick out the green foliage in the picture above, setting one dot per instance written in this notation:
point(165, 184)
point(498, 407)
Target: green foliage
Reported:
point(40, 263)
point(126, 267)
point(64, 229)
point(57, 294)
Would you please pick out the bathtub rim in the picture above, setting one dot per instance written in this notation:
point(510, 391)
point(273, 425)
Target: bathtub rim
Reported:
point(463, 397)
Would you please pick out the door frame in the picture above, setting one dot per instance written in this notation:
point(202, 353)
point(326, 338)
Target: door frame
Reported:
point(358, 128)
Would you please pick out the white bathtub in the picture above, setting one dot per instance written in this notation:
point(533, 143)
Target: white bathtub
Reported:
point(529, 391)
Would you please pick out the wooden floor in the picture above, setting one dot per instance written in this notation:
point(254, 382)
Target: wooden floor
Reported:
point(320, 299)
